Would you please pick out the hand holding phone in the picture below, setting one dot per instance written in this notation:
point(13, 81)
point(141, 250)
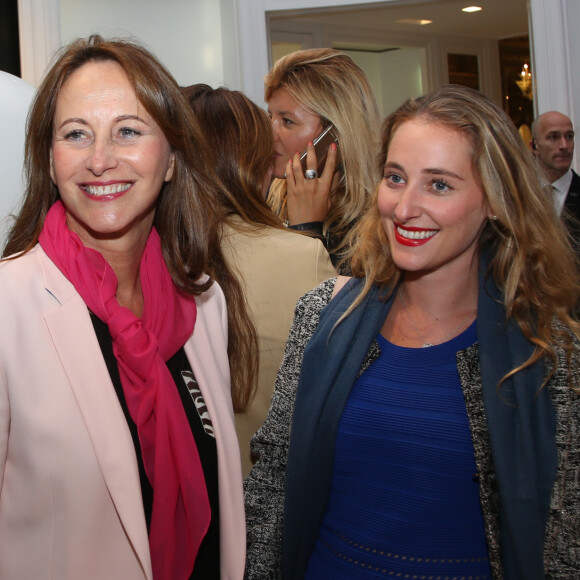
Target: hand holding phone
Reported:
point(321, 145)
point(307, 200)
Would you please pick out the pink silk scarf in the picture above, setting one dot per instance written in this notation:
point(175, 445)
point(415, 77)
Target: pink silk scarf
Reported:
point(181, 512)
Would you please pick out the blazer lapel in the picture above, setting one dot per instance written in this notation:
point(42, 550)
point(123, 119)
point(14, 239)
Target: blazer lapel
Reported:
point(210, 367)
point(71, 329)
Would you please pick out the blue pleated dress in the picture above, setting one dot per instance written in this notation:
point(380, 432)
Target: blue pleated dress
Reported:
point(405, 499)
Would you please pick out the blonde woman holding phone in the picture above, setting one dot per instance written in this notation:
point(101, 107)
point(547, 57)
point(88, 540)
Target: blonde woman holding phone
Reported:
point(307, 92)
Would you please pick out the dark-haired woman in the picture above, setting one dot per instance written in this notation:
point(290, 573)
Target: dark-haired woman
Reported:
point(276, 266)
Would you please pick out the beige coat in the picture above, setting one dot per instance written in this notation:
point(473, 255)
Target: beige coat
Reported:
point(278, 266)
point(70, 496)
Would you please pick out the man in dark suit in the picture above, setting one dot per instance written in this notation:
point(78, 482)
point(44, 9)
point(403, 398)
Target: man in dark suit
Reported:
point(553, 146)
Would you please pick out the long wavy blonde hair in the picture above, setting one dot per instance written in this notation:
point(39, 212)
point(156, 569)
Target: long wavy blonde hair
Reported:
point(330, 84)
point(532, 260)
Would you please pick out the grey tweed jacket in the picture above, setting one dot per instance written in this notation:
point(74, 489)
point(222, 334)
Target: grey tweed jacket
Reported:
point(264, 487)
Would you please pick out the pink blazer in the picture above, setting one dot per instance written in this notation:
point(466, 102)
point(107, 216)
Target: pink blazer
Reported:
point(70, 500)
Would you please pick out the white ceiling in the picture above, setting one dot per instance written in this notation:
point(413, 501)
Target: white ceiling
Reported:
point(499, 18)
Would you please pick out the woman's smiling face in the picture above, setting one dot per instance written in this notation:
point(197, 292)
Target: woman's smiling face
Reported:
point(109, 158)
point(431, 203)
point(294, 127)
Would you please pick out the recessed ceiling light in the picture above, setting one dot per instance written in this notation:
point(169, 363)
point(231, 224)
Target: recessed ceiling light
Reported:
point(472, 9)
point(417, 21)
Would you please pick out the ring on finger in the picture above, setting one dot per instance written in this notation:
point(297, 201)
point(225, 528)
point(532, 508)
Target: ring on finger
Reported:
point(310, 174)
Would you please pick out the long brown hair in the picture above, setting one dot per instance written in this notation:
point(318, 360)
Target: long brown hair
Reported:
point(530, 254)
point(185, 216)
point(240, 144)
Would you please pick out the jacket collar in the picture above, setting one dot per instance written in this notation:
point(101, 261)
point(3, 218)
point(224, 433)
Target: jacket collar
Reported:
point(72, 332)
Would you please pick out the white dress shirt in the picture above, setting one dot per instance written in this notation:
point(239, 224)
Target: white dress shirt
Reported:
point(560, 188)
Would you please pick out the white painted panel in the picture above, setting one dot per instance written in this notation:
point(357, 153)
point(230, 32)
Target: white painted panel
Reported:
point(15, 98)
point(39, 36)
point(556, 49)
point(184, 34)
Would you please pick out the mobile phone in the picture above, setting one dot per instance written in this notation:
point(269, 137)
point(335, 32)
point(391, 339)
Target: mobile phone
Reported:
point(321, 145)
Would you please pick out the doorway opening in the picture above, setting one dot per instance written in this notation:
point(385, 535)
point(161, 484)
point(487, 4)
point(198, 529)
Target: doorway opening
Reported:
point(407, 49)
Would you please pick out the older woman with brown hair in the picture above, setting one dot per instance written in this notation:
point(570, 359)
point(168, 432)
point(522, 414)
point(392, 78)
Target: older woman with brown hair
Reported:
point(275, 266)
point(118, 455)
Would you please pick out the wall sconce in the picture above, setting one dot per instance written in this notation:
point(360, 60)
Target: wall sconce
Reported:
point(525, 82)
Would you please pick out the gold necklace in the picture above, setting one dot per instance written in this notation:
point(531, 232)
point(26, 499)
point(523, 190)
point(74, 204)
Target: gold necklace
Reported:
point(426, 343)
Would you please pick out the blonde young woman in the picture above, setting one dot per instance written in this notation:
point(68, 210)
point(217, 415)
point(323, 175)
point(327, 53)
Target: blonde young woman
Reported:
point(307, 91)
point(425, 421)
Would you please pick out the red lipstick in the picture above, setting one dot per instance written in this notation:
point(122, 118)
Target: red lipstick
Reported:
point(412, 242)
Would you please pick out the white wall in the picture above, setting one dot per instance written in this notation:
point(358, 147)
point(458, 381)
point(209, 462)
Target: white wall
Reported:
point(556, 48)
point(407, 65)
point(225, 41)
point(184, 34)
point(15, 98)
point(572, 42)
point(195, 39)
point(230, 41)
point(370, 63)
